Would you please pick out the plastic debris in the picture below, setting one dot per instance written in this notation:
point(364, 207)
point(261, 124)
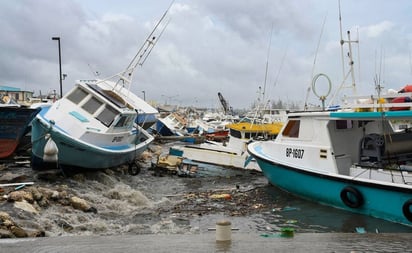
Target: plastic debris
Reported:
point(285, 209)
point(291, 221)
point(19, 187)
point(221, 196)
point(16, 184)
point(360, 230)
point(270, 235)
point(287, 232)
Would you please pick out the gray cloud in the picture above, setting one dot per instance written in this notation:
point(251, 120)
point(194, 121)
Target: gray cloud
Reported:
point(209, 46)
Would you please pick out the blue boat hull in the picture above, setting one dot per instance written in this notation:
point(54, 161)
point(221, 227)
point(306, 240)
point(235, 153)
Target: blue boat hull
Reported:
point(73, 153)
point(162, 129)
point(146, 120)
point(380, 201)
point(14, 124)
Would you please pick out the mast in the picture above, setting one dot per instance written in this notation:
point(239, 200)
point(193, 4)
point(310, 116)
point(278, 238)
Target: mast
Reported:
point(351, 71)
point(125, 77)
point(341, 41)
point(267, 64)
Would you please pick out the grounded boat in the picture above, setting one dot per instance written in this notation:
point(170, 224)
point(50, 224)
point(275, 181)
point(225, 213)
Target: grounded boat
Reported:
point(14, 124)
point(94, 126)
point(347, 159)
point(233, 153)
point(188, 126)
point(171, 125)
point(352, 158)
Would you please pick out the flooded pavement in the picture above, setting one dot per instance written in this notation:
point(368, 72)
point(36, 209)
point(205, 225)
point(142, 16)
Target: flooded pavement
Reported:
point(306, 242)
point(115, 203)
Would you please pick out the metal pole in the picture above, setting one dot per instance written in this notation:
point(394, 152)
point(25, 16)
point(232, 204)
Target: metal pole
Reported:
point(60, 66)
point(144, 95)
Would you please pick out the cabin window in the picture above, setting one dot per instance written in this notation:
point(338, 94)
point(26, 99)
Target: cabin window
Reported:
point(344, 124)
point(292, 129)
point(77, 95)
point(107, 115)
point(123, 121)
point(92, 105)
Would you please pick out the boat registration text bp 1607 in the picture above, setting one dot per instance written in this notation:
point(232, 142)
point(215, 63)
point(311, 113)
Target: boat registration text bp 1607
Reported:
point(295, 152)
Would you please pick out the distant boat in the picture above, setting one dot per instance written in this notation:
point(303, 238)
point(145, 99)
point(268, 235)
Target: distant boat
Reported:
point(94, 125)
point(187, 126)
point(232, 153)
point(214, 124)
point(172, 125)
point(147, 118)
point(14, 124)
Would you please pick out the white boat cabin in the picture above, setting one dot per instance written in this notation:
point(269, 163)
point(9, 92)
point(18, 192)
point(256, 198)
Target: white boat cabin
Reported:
point(345, 143)
point(87, 111)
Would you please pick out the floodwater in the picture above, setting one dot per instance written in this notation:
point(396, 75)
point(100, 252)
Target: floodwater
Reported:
point(168, 204)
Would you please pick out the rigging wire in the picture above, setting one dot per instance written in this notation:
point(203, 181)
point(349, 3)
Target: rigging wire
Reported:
point(280, 68)
point(267, 63)
point(127, 74)
point(314, 63)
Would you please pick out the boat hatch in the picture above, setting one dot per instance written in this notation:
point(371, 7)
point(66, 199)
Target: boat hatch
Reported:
point(110, 95)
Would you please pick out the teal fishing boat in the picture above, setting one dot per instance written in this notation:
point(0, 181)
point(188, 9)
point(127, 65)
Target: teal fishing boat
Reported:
point(356, 156)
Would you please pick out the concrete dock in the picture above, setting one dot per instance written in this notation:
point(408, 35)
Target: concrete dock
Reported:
point(241, 242)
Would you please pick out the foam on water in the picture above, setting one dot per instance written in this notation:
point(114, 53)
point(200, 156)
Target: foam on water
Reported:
point(144, 204)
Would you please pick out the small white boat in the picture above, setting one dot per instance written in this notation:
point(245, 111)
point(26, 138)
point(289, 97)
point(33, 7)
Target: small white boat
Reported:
point(172, 125)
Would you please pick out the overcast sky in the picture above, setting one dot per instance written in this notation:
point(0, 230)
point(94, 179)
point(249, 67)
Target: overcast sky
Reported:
point(209, 46)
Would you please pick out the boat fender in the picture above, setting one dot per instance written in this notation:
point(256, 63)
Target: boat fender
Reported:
point(50, 150)
point(351, 197)
point(406, 209)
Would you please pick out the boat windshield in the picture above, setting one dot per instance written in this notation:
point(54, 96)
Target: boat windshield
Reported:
point(124, 121)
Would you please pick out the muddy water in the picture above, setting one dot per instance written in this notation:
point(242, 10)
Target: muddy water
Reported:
point(168, 204)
